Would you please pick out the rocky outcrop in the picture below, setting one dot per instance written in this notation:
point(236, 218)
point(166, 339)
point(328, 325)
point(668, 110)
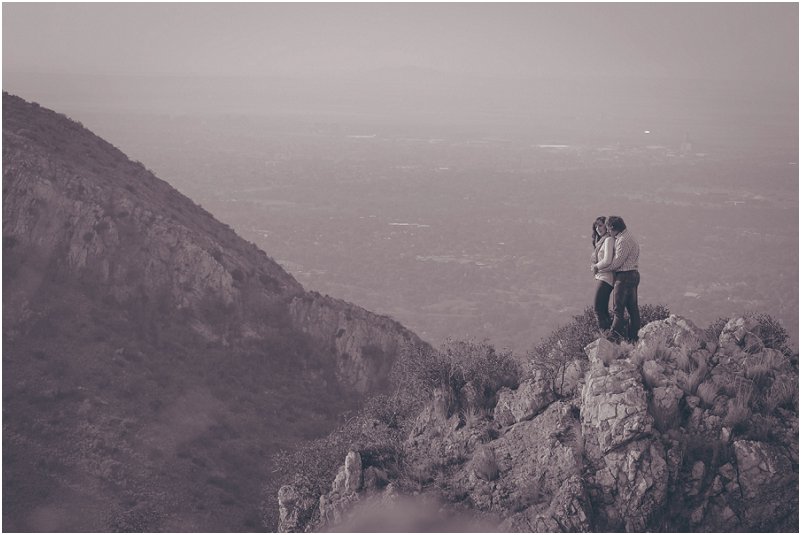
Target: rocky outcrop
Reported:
point(643, 446)
point(526, 401)
point(365, 345)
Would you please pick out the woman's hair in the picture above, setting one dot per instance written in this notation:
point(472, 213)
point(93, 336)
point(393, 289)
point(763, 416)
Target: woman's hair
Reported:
point(595, 236)
point(616, 223)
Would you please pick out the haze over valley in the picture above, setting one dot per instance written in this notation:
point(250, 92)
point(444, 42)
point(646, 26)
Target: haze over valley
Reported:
point(466, 223)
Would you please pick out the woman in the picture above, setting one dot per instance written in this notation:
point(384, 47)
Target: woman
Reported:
point(604, 246)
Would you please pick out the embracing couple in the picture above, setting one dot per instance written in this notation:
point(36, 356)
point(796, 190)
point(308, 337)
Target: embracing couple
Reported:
point(614, 263)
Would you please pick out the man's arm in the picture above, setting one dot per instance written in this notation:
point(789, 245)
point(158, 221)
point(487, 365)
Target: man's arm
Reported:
point(622, 250)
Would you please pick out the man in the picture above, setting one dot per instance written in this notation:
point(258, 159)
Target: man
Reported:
point(627, 278)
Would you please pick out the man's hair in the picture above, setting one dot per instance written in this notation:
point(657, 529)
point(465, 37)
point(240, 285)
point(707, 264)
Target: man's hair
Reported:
point(615, 223)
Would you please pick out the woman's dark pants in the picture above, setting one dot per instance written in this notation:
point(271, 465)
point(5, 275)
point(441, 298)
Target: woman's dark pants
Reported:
point(625, 295)
point(602, 293)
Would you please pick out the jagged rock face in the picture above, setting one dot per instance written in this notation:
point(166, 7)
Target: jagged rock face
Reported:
point(526, 401)
point(614, 407)
point(643, 447)
point(365, 344)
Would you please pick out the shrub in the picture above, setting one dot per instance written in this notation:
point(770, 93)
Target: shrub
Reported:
point(772, 333)
point(769, 330)
point(456, 365)
point(566, 344)
point(715, 329)
point(571, 339)
point(649, 313)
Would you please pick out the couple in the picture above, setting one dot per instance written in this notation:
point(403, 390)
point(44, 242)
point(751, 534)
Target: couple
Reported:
point(614, 264)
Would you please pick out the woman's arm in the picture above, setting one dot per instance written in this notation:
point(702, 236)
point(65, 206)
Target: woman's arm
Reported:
point(607, 253)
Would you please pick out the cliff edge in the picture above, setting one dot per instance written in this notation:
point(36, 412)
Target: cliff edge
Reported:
point(688, 430)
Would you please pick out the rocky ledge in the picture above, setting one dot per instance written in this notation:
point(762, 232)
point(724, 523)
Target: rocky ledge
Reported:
point(679, 432)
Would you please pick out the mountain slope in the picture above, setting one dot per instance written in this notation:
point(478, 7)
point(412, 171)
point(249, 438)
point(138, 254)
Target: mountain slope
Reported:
point(152, 358)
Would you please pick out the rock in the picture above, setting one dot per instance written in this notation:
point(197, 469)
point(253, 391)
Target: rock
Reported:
point(614, 405)
point(536, 457)
point(636, 476)
point(365, 344)
point(335, 505)
point(289, 510)
point(570, 383)
point(569, 510)
point(601, 352)
point(733, 335)
point(595, 463)
point(528, 400)
point(761, 467)
point(769, 483)
point(353, 472)
point(665, 406)
point(673, 332)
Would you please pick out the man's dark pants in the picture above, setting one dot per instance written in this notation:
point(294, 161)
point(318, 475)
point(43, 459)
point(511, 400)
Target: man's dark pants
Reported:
point(602, 292)
point(625, 295)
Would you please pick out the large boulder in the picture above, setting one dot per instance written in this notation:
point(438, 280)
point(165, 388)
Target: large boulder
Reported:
point(543, 452)
point(335, 505)
point(602, 352)
point(614, 406)
point(528, 400)
point(673, 331)
point(766, 476)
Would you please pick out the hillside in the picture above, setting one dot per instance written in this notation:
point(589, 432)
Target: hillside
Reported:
point(688, 430)
point(152, 359)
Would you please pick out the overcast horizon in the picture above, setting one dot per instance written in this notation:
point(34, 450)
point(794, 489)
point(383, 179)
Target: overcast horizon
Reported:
point(719, 41)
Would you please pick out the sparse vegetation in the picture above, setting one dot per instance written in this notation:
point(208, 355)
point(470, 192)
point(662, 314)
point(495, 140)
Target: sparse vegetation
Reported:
point(555, 353)
point(455, 366)
point(694, 379)
point(783, 392)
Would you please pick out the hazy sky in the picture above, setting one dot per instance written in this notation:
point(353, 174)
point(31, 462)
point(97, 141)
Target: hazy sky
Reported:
point(756, 41)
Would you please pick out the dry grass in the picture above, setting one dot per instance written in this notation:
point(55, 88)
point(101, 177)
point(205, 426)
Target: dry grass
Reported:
point(694, 380)
point(473, 417)
point(664, 418)
point(782, 393)
point(764, 364)
point(650, 350)
point(683, 361)
point(707, 392)
point(738, 411)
